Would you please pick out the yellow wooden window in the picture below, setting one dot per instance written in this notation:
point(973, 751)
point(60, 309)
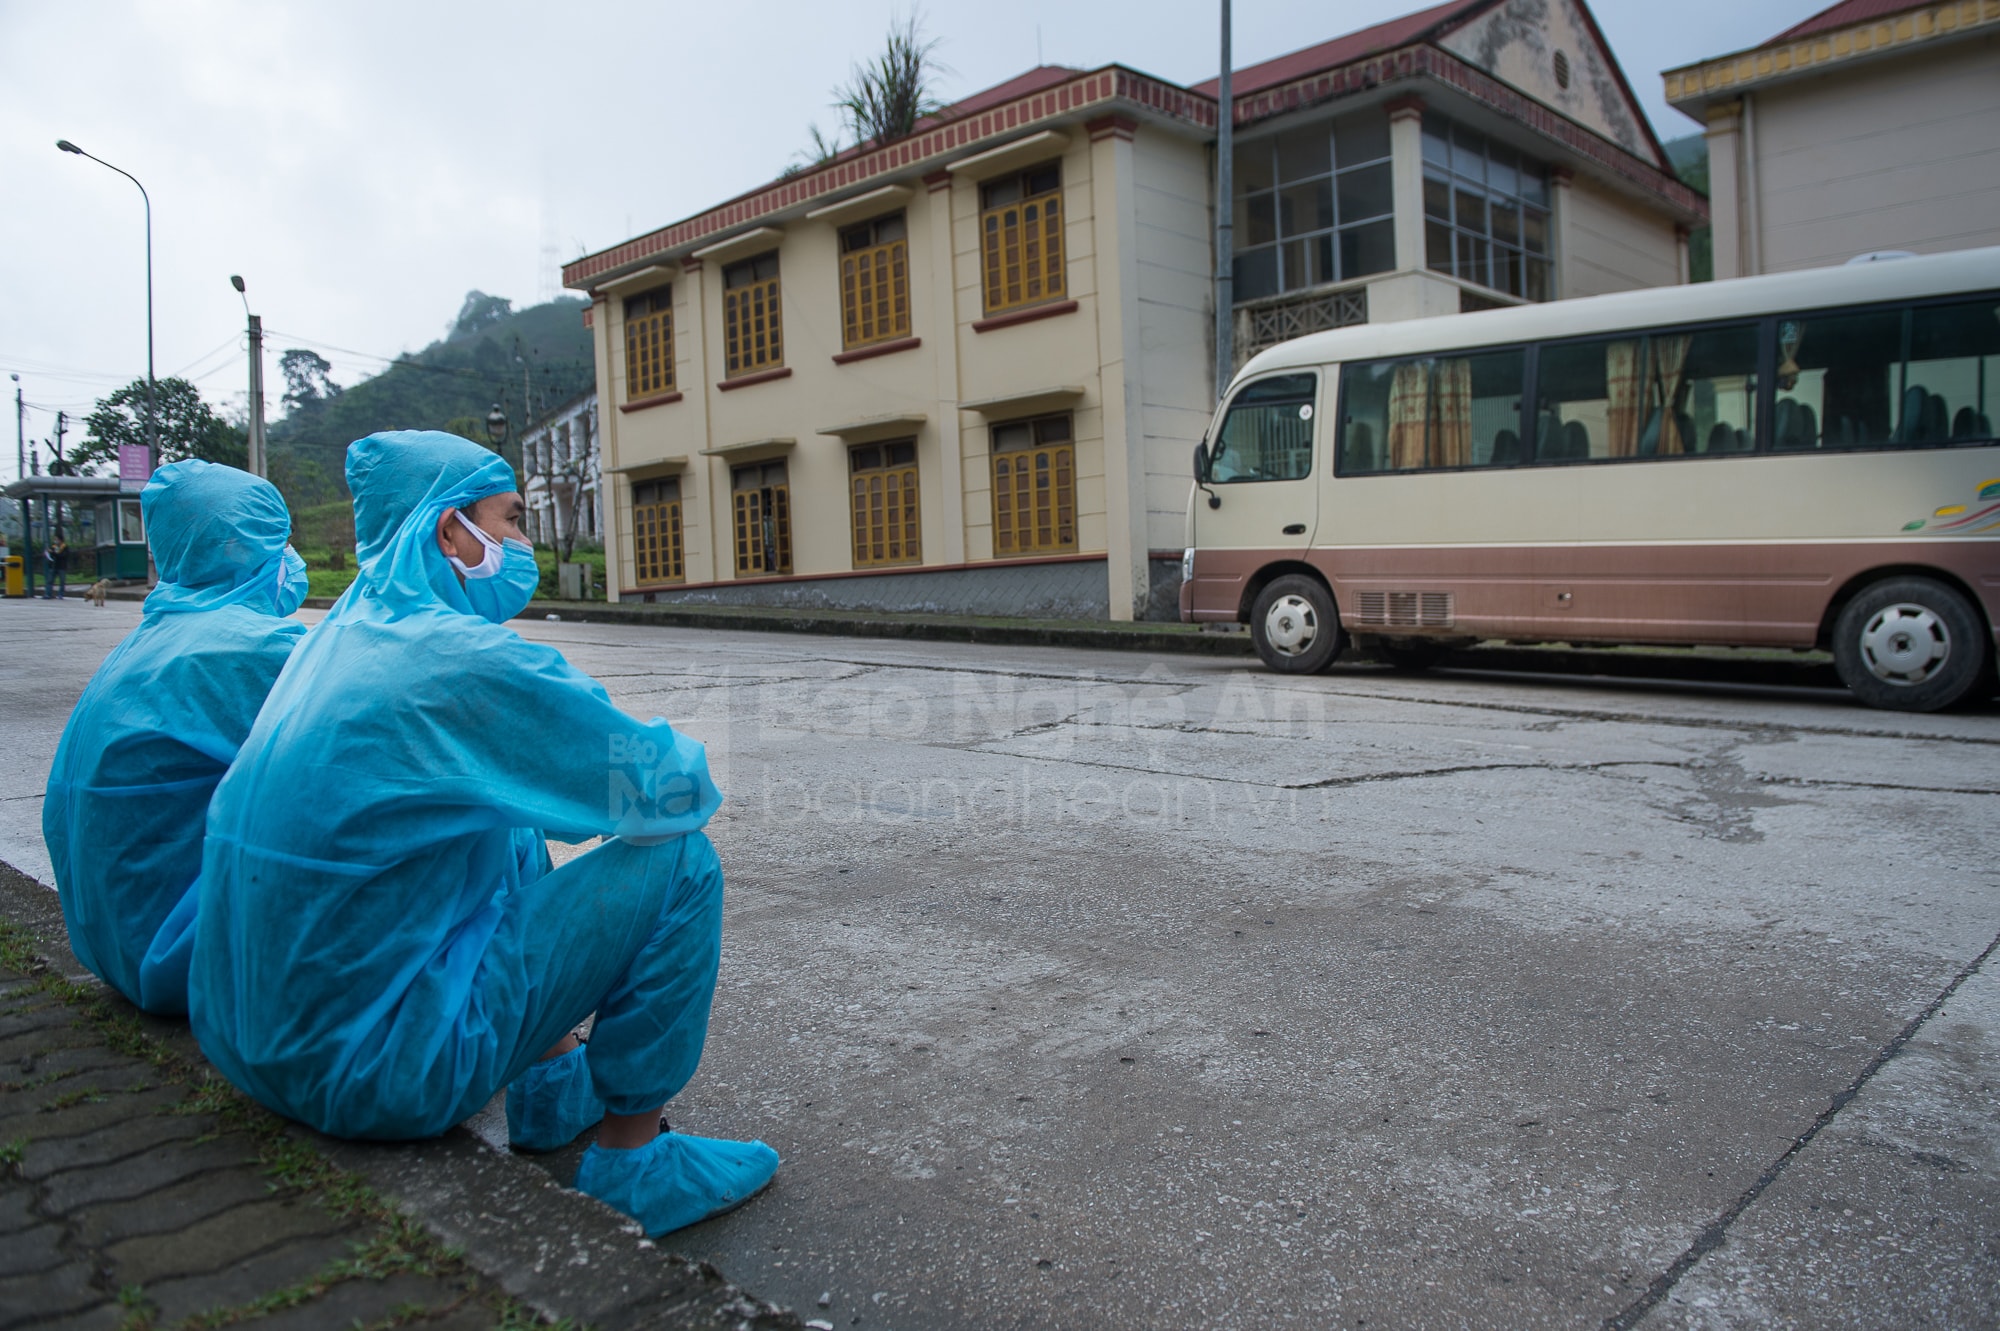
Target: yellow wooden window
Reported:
point(657, 546)
point(874, 282)
point(1021, 246)
point(762, 500)
point(752, 333)
point(886, 525)
point(1034, 487)
point(649, 344)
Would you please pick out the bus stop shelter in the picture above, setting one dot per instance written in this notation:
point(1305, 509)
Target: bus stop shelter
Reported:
point(100, 511)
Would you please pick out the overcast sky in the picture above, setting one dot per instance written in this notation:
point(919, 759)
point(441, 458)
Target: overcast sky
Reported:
point(365, 164)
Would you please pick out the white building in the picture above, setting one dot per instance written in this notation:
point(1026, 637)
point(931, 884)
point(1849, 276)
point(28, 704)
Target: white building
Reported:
point(560, 475)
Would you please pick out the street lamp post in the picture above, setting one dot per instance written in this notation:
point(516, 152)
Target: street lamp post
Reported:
point(496, 429)
point(256, 459)
point(152, 409)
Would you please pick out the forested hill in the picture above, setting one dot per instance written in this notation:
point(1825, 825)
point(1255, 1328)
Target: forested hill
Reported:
point(450, 385)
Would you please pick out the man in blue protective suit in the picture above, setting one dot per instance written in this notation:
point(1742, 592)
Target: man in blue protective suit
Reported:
point(161, 720)
point(381, 943)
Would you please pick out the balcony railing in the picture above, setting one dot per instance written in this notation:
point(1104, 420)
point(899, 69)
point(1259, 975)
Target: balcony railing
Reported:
point(1273, 321)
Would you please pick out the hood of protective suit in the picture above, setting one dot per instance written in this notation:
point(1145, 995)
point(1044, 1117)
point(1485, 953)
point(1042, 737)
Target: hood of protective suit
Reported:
point(218, 537)
point(401, 481)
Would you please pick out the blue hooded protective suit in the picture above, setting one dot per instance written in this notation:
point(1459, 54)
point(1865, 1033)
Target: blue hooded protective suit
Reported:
point(381, 946)
point(160, 721)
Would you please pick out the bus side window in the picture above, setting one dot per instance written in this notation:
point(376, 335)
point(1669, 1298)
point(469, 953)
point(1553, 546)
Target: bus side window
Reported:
point(1837, 381)
point(1955, 363)
point(1662, 394)
point(1432, 413)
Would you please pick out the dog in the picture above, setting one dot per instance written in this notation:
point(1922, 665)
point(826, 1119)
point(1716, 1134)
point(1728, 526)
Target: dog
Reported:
point(95, 593)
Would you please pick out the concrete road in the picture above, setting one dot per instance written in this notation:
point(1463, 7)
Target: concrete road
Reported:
point(1086, 990)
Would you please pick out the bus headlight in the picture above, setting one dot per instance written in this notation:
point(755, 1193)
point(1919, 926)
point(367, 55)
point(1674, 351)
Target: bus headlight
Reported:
point(1187, 564)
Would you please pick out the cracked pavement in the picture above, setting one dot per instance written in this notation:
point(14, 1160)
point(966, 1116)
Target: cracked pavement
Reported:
point(1085, 989)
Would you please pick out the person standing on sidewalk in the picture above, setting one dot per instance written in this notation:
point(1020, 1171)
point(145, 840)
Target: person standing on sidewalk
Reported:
point(160, 721)
point(382, 944)
point(56, 556)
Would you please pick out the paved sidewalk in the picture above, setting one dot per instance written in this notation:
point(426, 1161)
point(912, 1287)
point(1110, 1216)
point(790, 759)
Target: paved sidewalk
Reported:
point(139, 1191)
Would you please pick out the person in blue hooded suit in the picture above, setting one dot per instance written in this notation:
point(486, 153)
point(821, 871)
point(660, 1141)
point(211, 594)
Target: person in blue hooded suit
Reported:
point(161, 720)
point(381, 944)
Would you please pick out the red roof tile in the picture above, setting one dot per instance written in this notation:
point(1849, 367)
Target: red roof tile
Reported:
point(1341, 50)
point(1842, 14)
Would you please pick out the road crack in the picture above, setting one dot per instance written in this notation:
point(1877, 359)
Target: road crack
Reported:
point(1714, 1234)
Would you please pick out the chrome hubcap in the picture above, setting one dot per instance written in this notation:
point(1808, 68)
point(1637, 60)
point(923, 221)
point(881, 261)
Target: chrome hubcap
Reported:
point(1290, 625)
point(1905, 644)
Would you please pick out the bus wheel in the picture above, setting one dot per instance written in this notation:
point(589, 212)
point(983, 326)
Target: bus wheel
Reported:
point(1910, 644)
point(1295, 626)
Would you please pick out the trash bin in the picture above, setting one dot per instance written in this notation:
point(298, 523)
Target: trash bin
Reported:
point(17, 578)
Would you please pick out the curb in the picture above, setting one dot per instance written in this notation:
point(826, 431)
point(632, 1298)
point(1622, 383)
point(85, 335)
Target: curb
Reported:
point(563, 1254)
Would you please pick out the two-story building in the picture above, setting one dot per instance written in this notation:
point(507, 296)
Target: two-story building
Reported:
point(964, 371)
point(562, 476)
point(1869, 126)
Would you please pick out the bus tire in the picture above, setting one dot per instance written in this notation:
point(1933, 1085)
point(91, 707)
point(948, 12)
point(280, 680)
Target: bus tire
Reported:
point(1910, 645)
point(1295, 626)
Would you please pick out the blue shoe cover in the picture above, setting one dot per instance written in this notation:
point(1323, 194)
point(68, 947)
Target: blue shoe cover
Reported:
point(550, 1104)
point(676, 1180)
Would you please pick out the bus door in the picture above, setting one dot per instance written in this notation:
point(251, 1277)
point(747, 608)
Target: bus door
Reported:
point(1260, 499)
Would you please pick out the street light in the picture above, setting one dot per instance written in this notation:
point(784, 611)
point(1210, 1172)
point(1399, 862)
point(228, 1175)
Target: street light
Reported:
point(152, 411)
point(496, 429)
point(256, 441)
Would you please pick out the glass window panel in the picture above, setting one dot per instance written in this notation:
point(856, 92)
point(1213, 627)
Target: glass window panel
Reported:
point(1302, 153)
point(1534, 231)
point(1437, 144)
point(1012, 436)
point(1437, 246)
point(1839, 385)
point(1507, 270)
point(1502, 171)
point(1297, 271)
point(1534, 184)
point(1360, 138)
point(1307, 207)
point(1507, 223)
point(998, 193)
point(1472, 259)
point(1252, 168)
point(1955, 362)
point(1256, 274)
point(1260, 219)
point(1437, 199)
point(1468, 155)
point(1471, 210)
point(1052, 430)
point(1268, 433)
point(1449, 411)
point(1043, 178)
point(1365, 193)
point(1535, 279)
point(1370, 248)
point(1715, 400)
point(890, 228)
point(1320, 248)
point(1661, 394)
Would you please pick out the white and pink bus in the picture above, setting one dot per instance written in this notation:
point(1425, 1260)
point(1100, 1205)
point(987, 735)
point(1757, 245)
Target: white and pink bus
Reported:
point(1801, 460)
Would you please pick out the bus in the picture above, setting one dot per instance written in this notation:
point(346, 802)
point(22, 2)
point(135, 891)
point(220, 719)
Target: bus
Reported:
point(1802, 460)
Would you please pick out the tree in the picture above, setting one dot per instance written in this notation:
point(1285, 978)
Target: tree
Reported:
point(189, 427)
point(480, 312)
point(885, 97)
point(308, 378)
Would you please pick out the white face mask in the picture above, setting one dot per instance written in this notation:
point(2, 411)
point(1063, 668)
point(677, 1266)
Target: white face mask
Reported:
point(486, 567)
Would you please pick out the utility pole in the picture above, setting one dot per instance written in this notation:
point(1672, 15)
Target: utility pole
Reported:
point(20, 431)
point(1225, 219)
point(62, 427)
point(256, 457)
